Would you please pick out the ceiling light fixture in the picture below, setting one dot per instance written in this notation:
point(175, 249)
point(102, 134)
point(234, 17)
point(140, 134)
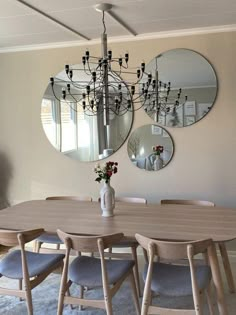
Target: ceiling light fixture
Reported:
point(106, 85)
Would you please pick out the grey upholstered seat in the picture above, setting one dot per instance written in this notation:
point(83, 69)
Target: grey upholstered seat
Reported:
point(49, 238)
point(175, 280)
point(86, 271)
point(11, 265)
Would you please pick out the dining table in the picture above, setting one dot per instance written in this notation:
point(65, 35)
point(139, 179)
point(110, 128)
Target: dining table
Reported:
point(165, 222)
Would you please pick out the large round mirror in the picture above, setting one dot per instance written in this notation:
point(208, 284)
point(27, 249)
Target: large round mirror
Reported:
point(185, 91)
point(150, 147)
point(78, 135)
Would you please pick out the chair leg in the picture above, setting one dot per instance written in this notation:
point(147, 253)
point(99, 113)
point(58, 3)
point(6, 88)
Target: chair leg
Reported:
point(108, 304)
point(110, 252)
point(136, 272)
point(145, 255)
point(134, 292)
point(81, 296)
point(147, 298)
point(38, 246)
point(29, 301)
point(197, 299)
point(20, 287)
point(147, 294)
point(68, 294)
point(209, 299)
point(228, 271)
point(62, 294)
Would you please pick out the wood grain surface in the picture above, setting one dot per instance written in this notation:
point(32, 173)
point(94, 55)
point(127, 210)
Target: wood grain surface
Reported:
point(171, 222)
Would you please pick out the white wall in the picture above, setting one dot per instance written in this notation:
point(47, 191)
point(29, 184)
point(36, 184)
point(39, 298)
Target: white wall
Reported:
point(203, 166)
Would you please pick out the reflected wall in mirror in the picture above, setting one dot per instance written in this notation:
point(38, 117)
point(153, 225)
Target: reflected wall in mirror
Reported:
point(77, 135)
point(150, 147)
point(186, 89)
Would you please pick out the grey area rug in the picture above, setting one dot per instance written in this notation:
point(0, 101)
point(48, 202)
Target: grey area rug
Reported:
point(45, 298)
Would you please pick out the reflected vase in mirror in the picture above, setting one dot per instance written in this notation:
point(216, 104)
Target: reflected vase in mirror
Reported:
point(158, 163)
point(75, 133)
point(150, 147)
point(186, 88)
point(107, 198)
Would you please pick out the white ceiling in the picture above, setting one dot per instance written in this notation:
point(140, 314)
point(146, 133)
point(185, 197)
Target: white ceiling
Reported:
point(22, 27)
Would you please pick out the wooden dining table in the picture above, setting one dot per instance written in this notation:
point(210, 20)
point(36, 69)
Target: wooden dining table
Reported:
point(166, 222)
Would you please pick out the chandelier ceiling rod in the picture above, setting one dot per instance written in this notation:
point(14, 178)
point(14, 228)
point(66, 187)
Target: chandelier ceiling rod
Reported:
point(106, 7)
point(49, 17)
point(122, 23)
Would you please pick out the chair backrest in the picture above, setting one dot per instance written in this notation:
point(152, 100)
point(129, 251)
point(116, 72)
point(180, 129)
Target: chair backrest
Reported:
point(187, 202)
point(14, 238)
point(129, 200)
point(88, 243)
point(76, 198)
point(173, 250)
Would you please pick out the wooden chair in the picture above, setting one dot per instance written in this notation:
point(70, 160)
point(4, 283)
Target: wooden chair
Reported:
point(128, 243)
point(222, 246)
point(176, 280)
point(187, 202)
point(94, 272)
point(131, 200)
point(50, 238)
point(30, 267)
point(76, 198)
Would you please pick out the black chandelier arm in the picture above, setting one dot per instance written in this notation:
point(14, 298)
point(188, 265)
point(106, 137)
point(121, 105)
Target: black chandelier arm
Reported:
point(72, 96)
point(87, 71)
point(55, 95)
point(99, 78)
point(71, 81)
point(115, 77)
point(76, 85)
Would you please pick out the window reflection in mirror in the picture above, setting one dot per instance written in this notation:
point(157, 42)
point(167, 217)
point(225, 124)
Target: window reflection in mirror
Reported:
point(150, 147)
point(79, 136)
point(191, 76)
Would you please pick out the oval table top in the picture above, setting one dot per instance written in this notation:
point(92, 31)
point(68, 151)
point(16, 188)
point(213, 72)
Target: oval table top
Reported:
point(170, 222)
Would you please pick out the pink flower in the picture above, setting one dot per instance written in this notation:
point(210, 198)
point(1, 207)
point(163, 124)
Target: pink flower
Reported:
point(158, 149)
point(105, 172)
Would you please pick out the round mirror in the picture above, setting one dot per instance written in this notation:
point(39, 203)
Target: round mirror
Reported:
point(185, 91)
point(77, 134)
point(150, 147)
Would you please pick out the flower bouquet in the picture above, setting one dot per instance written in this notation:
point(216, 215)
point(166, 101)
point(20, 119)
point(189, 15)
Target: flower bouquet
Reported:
point(107, 193)
point(157, 150)
point(105, 172)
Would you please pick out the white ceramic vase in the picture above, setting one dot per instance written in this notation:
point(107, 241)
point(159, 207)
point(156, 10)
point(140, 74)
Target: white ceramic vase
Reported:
point(158, 163)
point(107, 196)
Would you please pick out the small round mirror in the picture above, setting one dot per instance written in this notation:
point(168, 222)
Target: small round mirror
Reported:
point(150, 147)
point(185, 88)
point(75, 133)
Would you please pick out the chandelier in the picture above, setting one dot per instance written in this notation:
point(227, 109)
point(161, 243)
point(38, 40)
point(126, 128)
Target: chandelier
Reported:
point(106, 85)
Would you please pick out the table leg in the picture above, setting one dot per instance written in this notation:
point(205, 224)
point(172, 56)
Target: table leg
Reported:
point(217, 280)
